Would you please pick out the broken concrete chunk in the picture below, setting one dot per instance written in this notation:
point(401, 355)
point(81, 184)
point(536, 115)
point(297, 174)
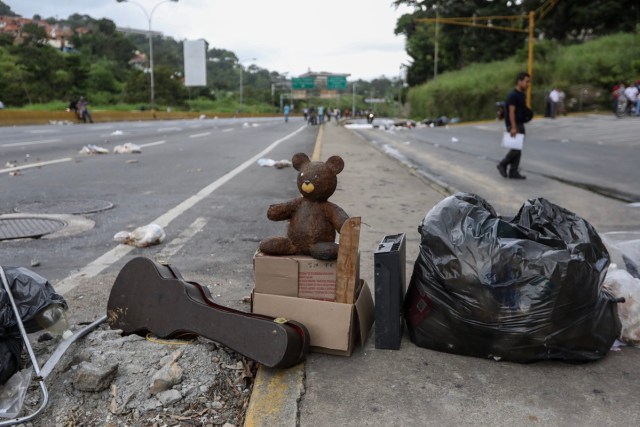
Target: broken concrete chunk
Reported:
point(93, 377)
point(166, 377)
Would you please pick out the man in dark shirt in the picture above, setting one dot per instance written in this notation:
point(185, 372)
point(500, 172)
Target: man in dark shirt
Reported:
point(515, 117)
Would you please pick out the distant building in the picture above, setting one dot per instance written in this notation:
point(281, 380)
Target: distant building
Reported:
point(58, 35)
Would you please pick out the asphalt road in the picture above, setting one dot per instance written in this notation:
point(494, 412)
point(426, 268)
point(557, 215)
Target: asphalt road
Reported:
point(199, 179)
point(594, 153)
point(179, 159)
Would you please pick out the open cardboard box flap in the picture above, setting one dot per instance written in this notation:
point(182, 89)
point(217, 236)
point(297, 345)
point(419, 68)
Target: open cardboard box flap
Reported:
point(333, 327)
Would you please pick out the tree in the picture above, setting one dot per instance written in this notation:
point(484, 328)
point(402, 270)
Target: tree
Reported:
point(33, 34)
point(6, 10)
point(567, 21)
point(12, 81)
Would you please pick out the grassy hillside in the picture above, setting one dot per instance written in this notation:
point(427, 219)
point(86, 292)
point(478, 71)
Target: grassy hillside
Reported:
point(586, 72)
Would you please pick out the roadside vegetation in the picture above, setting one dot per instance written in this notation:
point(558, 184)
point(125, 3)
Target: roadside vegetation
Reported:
point(108, 68)
point(586, 72)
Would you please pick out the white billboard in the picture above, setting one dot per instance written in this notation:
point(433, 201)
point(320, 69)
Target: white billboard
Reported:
point(195, 69)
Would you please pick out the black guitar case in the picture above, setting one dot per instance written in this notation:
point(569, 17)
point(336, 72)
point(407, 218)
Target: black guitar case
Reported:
point(151, 297)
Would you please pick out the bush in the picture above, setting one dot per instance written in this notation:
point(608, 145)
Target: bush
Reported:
point(586, 72)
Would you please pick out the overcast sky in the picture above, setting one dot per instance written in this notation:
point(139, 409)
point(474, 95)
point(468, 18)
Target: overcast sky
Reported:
point(287, 36)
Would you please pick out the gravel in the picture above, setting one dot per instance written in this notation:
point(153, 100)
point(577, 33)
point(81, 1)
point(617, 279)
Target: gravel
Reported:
point(106, 379)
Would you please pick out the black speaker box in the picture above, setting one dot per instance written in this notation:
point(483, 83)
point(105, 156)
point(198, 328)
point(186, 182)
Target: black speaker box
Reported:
point(390, 287)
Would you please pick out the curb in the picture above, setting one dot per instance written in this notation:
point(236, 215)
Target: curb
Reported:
point(275, 395)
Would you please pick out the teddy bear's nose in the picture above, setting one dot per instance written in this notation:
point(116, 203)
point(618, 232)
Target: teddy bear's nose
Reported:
point(307, 187)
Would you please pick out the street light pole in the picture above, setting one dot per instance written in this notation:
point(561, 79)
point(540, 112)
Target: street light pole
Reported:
point(149, 17)
point(240, 62)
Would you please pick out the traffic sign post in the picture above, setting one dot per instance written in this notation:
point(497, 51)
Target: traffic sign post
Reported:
point(303, 83)
point(336, 82)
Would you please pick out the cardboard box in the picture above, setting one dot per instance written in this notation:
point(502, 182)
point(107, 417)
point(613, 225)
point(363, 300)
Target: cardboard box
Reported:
point(295, 276)
point(334, 327)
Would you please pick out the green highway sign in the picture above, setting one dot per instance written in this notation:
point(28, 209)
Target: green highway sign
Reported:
point(336, 82)
point(303, 82)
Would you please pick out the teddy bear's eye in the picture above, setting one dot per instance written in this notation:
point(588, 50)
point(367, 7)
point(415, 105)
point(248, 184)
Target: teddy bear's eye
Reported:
point(301, 174)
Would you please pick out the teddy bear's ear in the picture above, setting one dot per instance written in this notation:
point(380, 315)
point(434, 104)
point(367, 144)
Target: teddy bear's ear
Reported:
point(335, 164)
point(299, 160)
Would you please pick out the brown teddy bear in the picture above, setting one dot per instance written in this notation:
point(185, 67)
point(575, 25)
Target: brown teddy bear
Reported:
point(313, 221)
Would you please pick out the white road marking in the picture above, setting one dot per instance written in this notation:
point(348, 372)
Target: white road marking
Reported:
point(168, 129)
point(178, 243)
point(227, 130)
point(43, 131)
point(36, 165)
point(151, 144)
point(199, 135)
point(42, 141)
point(111, 257)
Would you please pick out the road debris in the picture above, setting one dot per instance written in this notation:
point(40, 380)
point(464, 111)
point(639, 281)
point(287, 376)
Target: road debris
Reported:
point(141, 237)
point(127, 148)
point(93, 149)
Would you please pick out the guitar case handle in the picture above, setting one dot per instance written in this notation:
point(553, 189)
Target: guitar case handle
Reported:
point(151, 297)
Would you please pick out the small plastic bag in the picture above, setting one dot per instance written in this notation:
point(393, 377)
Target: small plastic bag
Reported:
point(623, 285)
point(141, 237)
point(13, 392)
point(127, 148)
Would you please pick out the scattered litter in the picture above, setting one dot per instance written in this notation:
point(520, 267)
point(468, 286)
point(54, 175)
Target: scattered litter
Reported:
point(60, 122)
point(35, 263)
point(202, 117)
point(127, 148)
point(246, 299)
point(245, 125)
point(623, 285)
point(13, 392)
point(454, 139)
point(358, 126)
point(15, 173)
point(117, 132)
point(279, 164)
point(141, 237)
point(10, 165)
point(93, 149)
point(616, 345)
point(133, 161)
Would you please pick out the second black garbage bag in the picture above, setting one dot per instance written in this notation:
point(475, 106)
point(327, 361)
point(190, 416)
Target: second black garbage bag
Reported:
point(523, 290)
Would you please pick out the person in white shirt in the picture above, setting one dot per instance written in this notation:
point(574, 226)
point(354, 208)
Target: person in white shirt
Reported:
point(631, 92)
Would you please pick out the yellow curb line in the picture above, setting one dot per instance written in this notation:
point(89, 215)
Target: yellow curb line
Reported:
point(270, 387)
point(316, 150)
point(270, 394)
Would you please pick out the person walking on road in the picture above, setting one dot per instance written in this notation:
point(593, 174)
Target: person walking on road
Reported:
point(286, 113)
point(517, 113)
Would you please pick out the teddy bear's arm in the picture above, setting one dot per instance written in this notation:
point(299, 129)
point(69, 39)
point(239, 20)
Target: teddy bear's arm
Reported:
point(336, 215)
point(282, 211)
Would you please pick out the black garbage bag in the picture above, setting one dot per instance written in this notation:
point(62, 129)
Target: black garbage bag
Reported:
point(522, 290)
point(32, 293)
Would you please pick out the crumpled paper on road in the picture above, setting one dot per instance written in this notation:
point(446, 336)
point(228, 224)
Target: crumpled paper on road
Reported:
point(93, 149)
point(127, 148)
point(279, 164)
point(141, 237)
